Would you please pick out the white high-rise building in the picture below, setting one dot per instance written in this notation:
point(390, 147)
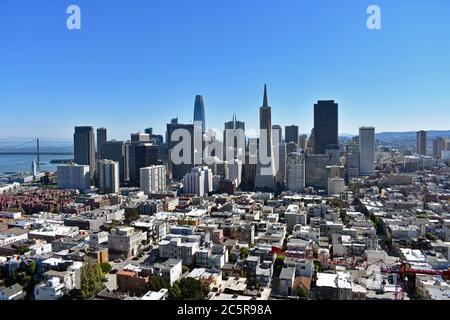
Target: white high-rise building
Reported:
point(153, 179)
point(109, 176)
point(199, 181)
point(366, 151)
point(33, 168)
point(265, 179)
point(234, 171)
point(73, 176)
point(295, 177)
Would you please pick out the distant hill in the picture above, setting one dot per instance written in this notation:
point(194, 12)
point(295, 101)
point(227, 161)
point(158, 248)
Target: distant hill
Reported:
point(391, 136)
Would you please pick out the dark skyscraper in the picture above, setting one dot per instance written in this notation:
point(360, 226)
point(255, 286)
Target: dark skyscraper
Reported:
point(325, 125)
point(145, 155)
point(84, 147)
point(177, 171)
point(115, 150)
point(101, 139)
point(136, 138)
point(199, 112)
point(291, 134)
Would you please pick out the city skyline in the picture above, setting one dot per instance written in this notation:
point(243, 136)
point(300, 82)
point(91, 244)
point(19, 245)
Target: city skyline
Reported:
point(160, 65)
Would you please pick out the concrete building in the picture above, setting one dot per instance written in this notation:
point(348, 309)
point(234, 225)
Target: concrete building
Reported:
point(421, 142)
point(234, 171)
point(294, 216)
point(439, 145)
point(316, 170)
point(125, 241)
point(352, 161)
point(336, 186)
point(53, 289)
point(295, 177)
point(175, 248)
point(366, 151)
point(153, 179)
point(73, 176)
point(198, 181)
point(170, 270)
point(108, 176)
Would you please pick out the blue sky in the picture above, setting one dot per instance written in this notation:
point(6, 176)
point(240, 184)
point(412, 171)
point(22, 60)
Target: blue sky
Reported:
point(138, 63)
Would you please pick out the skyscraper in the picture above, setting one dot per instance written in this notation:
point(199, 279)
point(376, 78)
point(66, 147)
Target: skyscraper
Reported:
point(108, 172)
point(133, 171)
point(421, 142)
point(101, 139)
point(178, 170)
point(295, 180)
point(198, 181)
point(439, 145)
point(265, 171)
point(115, 150)
point(352, 161)
point(325, 125)
point(145, 155)
point(73, 176)
point(291, 134)
point(84, 147)
point(366, 151)
point(235, 130)
point(153, 179)
point(199, 112)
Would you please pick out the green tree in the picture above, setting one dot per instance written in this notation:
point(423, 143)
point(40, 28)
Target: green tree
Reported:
point(131, 214)
point(277, 266)
point(232, 258)
point(175, 292)
point(106, 267)
point(156, 283)
point(431, 236)
point(187, 289)
point(244, 253)
point(91, 279)
point(302, 292)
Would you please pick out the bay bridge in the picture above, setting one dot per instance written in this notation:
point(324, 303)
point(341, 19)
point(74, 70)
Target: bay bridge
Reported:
point(15, 149)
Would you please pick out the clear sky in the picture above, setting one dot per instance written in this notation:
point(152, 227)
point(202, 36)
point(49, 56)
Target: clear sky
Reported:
point(138, 63)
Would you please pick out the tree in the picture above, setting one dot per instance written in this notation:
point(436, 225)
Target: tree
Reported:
point(244, 253)
point(431, 236)
point(187, 289)
point(21, 250)
point(91, 279)
point(156, 283)
point(106, 267)
point(277, 266)
point(131, 214)
point(175, 292)
point(302, 292)
point(232, 258)
point(24, 275)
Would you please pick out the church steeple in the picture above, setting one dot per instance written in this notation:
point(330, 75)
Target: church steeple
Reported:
point(266, 100)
